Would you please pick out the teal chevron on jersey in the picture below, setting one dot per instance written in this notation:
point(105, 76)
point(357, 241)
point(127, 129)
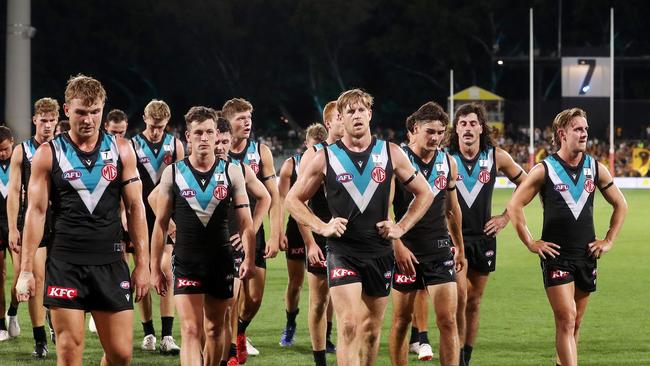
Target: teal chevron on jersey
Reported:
point(30, 149)
point(468, 183)
point(4, 177)
point(440, 169)
point(203, 197)
point(154, 162)
point(574, 191)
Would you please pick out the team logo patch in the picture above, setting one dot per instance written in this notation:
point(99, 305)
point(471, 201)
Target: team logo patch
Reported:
point(589, 185)
point(167, 159)
point(144, 160)
point(561, 187)
point(125, 285)
point(184, 282)
point(57, 292)
point(402, 279)
point(71, 175)
point(484, 176)
point(378, 174)
point(188, 193)
point(440, 183)
point(344, 177)
point(109, 172)
point(558, 274)
point(255, 167)
point(489, 253)
point(341, 272)
point(220, 192)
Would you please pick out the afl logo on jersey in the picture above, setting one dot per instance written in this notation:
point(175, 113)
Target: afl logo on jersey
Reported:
point(484, 176)
point(378, 174)
point(71, 175)
point(561, 187)
point(220, 192)
point(109, 172)
point(344, 177)
point(440, 182)
point(167, 159)
point(144, 160)
point(589, 185)
point(255, 167)
point(188, 193)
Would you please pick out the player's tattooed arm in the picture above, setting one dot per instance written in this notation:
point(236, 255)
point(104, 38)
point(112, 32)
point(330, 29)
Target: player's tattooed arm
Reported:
point(38, 198)
point(454, 216)
point(13, 197)
point(521, 197)
point(162, 202)
point(423, 196)
point(275, 213)
point(614, 197)
point(136, 222)
point(309, 180)
point(244, 220)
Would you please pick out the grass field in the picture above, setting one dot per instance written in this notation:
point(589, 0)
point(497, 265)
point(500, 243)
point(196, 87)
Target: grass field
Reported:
point(516, 323)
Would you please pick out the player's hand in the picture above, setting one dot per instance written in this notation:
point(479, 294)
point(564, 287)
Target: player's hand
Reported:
point(159, 281)
point(14, 240)
point(172, 232)
point(284, 243)
point(599, 247)
point(246, 269)
point(390, 230)
point(140, 281)
point(460, 261)
point(25, 286)
point(272, 247)
point(544, 248)
point(405, 259)
point(495, 224)
point(334, 228)
point(315, 256)
point(235, 241)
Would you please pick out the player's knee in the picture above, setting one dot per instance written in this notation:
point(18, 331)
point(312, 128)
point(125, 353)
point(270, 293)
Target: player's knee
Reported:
point(348, 330)
point(318, 307)
point(401, 321)
point(565, 321)
point(446, 321)
point(190, 330)
point(119, 356)
point(68, 346)
point(214, 330)
point(473, 303)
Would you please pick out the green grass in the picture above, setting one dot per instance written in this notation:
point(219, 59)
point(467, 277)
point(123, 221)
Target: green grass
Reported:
point(516, 322)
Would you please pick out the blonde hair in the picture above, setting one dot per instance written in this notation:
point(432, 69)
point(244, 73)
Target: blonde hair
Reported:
point(235, 105)
point(157, 109)
point(563, 120)
point(328, 111)
point(353, 96)
point(316, 131)
point(46, 105)
point(85, 88)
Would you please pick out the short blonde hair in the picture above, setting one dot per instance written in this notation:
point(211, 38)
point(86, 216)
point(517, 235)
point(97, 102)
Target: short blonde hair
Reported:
point(85, 88)
point(46, 105)
point(157, 109)
point(353, 96)
point(328, 111)
point(316, 131)
point(235, 105)
point(563, 120)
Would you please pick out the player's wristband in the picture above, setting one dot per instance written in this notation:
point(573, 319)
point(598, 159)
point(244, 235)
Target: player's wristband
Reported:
point(410, 178)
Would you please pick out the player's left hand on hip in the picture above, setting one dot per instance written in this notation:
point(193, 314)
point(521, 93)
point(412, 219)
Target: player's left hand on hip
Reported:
point(599, 247)
point(495, 224)
point(390, 230)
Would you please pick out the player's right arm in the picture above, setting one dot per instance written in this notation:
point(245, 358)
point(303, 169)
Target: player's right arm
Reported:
point(521, 197)
point(162, 207)
point(244, 221)
point(13, 197)
point(38, 200)
point(284, 184)
point(315, 255)
point(309, 180)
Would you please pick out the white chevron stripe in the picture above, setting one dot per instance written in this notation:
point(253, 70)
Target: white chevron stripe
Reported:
point(468, 196)
point(204, 215)
point(153, 174)
point(575, 207)
point(3, 189)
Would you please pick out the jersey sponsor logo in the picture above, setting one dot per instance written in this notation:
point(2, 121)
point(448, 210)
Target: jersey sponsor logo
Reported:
point(403, 279)
point(559, 274)
point(341, 272)
point(296, 251)
point(109, 172)
point(167, 159)
point(378, 174)
point(590, 186)
point(186, 282)
point(67, 293)
point(71, 175)
point(484, 176)
point(489, 253)
point(344, 177)
point(220, 192)
point(188, 193)
point(255, 167)
point(441, 182)
point(561, 187)
point(144, 160)
point(125, 285)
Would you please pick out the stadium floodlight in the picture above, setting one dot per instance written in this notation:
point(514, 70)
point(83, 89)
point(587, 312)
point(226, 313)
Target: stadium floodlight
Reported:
point(500, 62)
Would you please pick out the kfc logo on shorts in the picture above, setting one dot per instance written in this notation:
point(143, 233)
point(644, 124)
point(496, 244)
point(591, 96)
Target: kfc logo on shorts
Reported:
point(484, 176)
point(167, 159)
point(561, 187)
point(71, 175)
point(109, 172)
point(144, 160)
point(255, 167)
point(558, 274)
point(440, 183)
point(378, 174)
point(341, 272)
point(344, 177)
point(188, 193)
point(295, 251)
point(220, 192)
point(589, 186)
point(489, 253)
point(184, 282)
point(65, 293)
point(402, 279)
point(125, 285)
